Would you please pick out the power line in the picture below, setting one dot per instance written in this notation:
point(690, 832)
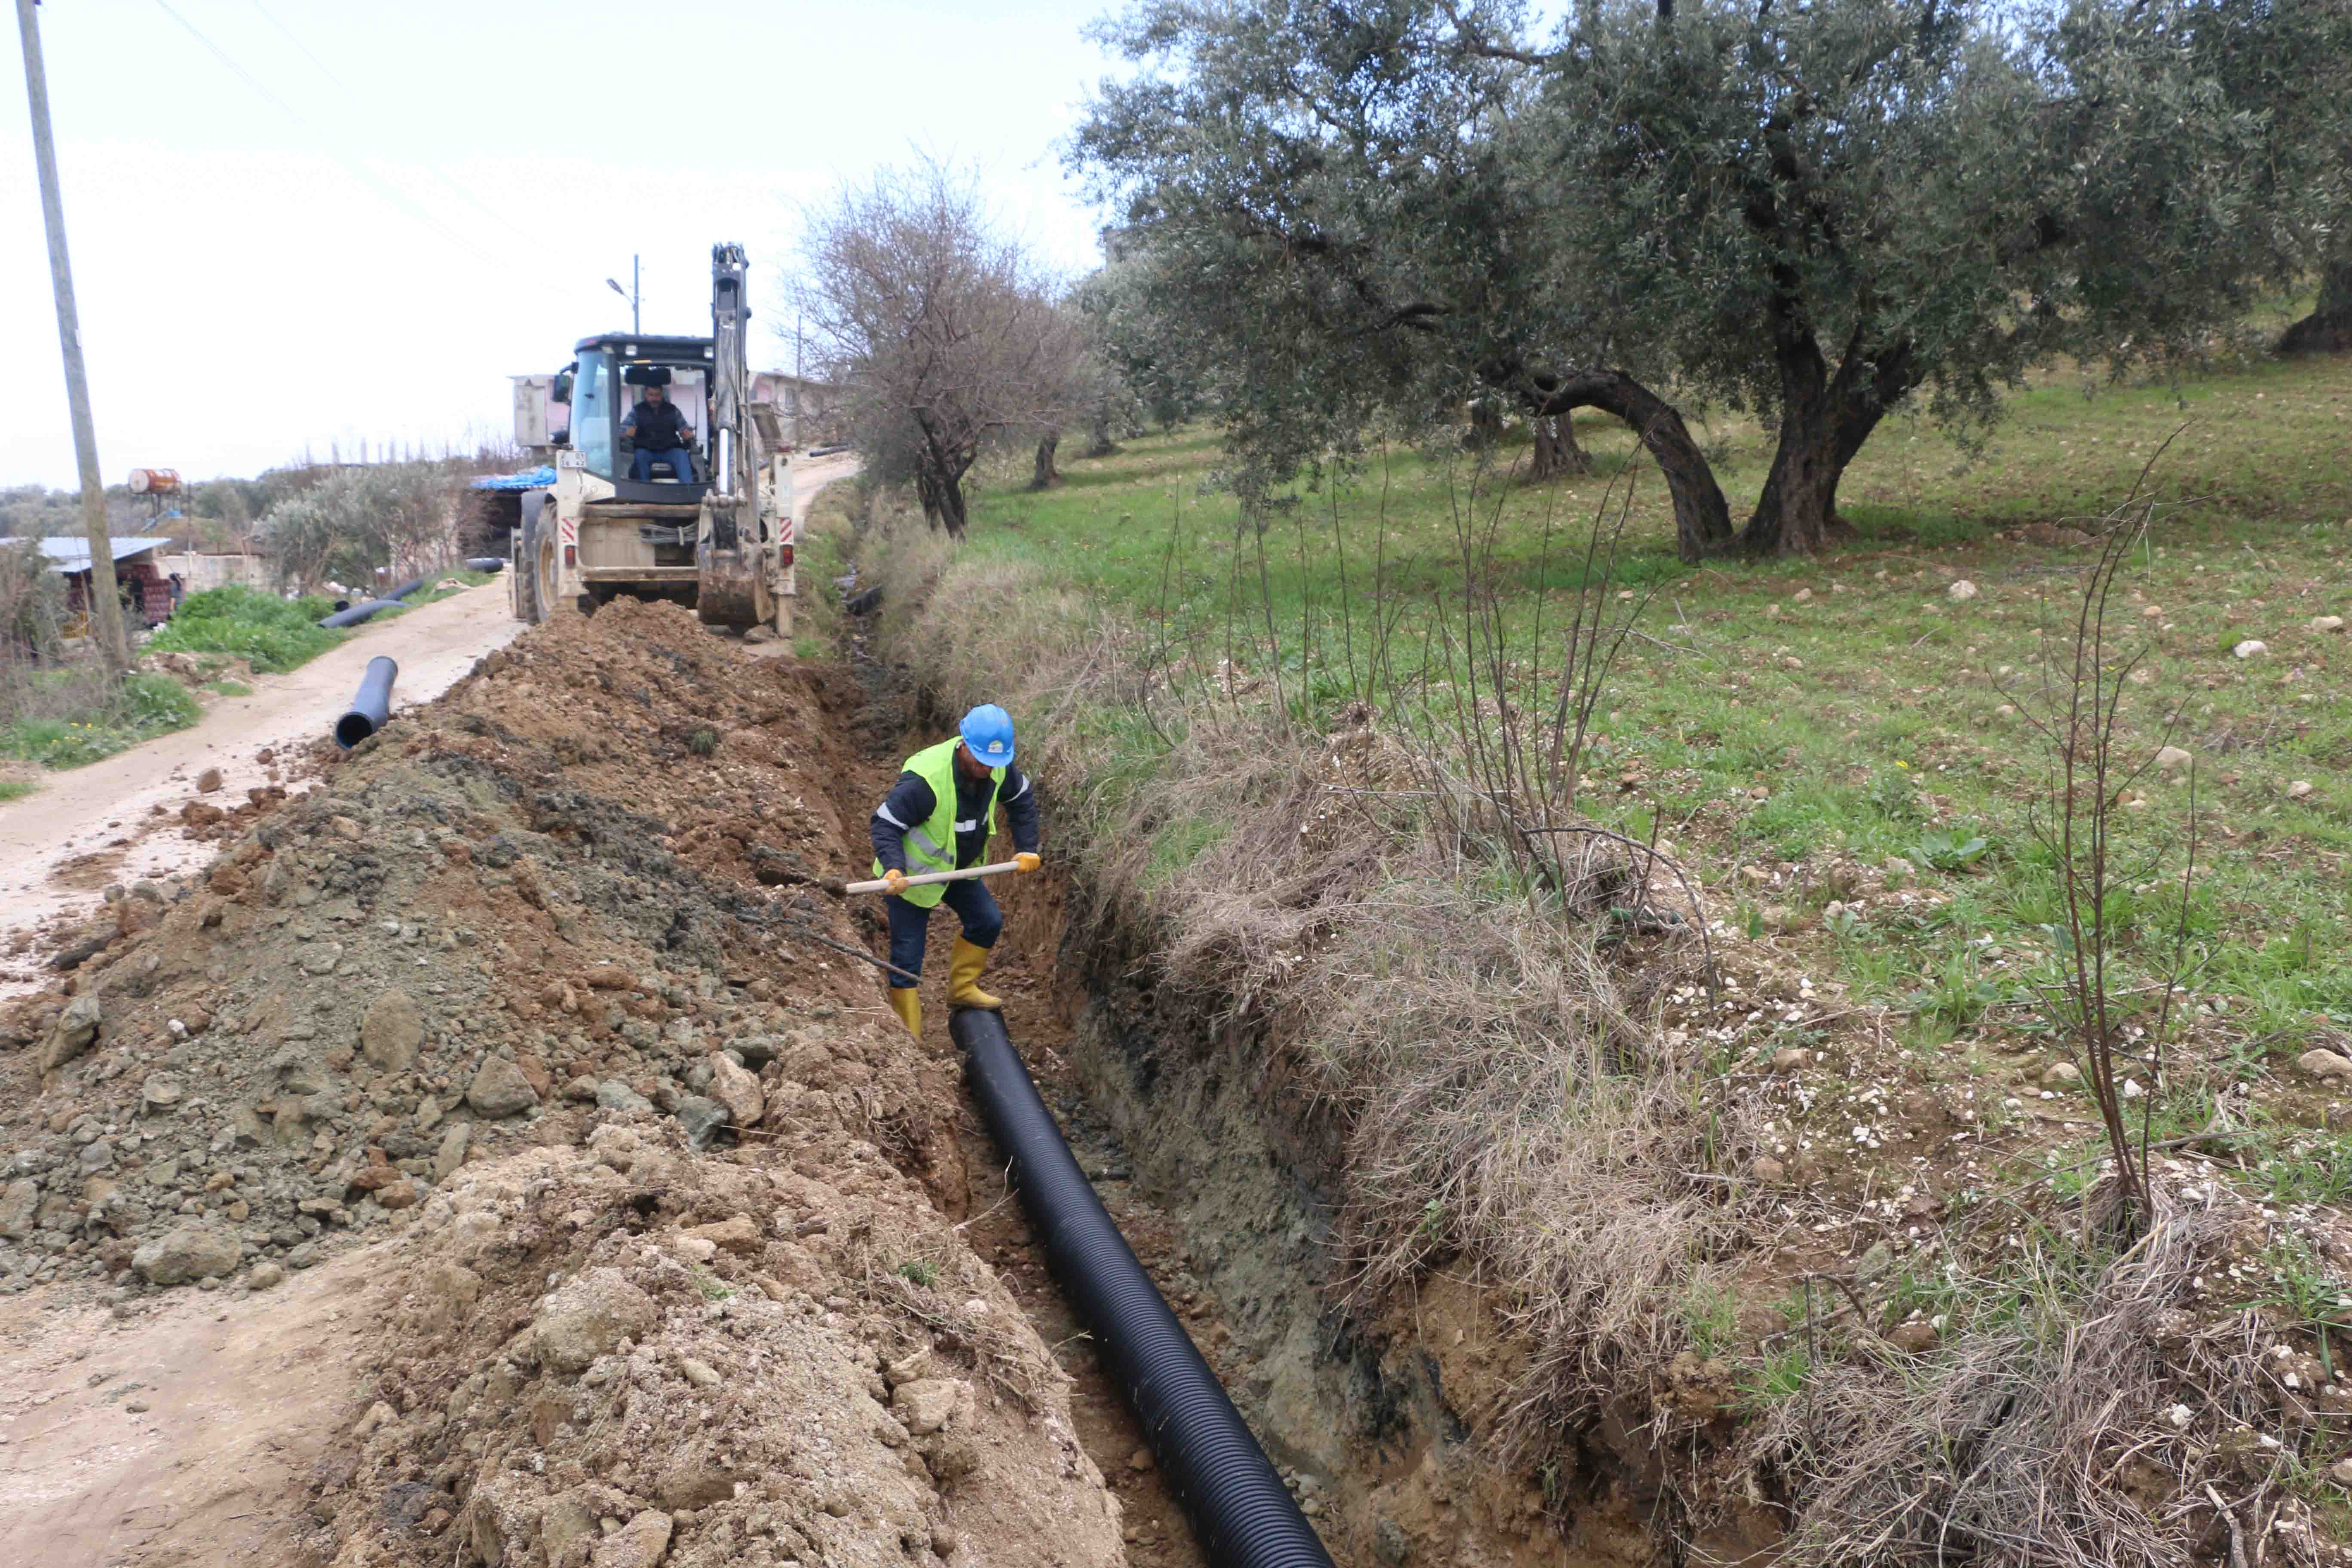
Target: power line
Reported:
point(463, 194)
point(350, 164)
point(267, 16)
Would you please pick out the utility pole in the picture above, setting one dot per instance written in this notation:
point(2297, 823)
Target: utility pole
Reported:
point(105, 611)
point(632, 294)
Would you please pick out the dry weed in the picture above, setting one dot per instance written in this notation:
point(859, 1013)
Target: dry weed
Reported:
point(2082, 1428)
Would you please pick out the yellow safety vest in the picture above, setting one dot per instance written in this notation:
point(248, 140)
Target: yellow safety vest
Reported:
point(931, 842)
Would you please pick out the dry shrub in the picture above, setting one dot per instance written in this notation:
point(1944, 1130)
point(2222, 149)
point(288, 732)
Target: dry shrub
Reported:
point(1504, 1088)
point(2019, 1444)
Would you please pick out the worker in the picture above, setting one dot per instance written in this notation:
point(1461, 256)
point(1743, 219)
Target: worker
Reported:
point(938, 817)
point(661, 436)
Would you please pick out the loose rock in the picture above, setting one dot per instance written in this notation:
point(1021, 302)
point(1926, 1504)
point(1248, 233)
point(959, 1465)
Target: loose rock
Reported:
point(614, 1095)
point(499, 1089)
point(590, 1315)
point(703, 1120)
point(391, 1031)
point(641, 1544)
point(74, 1032)
point(2324, 1064)
point(452, 1152)
point(20, 1208)
point(1918, 1338)
point(926, 1404)
point(192, 1252)
point(737, 1090)
point(738, 1232)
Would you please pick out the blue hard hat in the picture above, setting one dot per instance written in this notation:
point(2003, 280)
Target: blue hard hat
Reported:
point(987, 730)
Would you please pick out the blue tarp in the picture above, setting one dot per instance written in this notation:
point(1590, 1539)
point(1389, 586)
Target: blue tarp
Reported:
point(537, 478)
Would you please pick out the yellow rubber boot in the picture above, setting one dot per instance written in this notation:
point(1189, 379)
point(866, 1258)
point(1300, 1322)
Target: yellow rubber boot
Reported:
point(963, 977)
point(909, 1004)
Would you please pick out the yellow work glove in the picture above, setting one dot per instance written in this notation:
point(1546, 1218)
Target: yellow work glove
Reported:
point(894, 880)
point(1025, 861)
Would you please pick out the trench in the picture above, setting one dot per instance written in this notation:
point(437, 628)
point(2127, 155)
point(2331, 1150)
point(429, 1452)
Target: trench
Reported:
point(1222, 1178)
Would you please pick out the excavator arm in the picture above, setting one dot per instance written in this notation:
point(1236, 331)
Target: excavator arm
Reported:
point(735, 586)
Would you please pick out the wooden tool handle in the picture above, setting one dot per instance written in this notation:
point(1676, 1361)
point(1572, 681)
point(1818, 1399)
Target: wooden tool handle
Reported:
point(928, 877)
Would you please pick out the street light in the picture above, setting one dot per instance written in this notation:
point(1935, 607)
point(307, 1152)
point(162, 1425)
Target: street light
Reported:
point(630, 293)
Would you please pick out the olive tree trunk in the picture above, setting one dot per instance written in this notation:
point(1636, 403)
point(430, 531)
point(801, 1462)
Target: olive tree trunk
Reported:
point(2328, 328)
point(1824, 421)
point(1556, 451)
point(1702, 519)
point(1046, 476)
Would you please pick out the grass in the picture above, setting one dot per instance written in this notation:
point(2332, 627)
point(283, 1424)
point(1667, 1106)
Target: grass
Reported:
point(147, 706)
point(269, 633)
point(1782, 725)
point(822, 552)
point(16, 786)
point(1869, 711)
point(433, 591)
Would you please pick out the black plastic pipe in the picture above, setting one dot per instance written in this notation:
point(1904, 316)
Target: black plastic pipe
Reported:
point(1241, 1513)
point(355, 614)
point(406, 589)
point(372, 707)
point(486, 563)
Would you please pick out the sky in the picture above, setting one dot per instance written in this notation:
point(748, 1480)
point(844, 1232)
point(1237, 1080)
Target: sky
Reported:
point(297, 225)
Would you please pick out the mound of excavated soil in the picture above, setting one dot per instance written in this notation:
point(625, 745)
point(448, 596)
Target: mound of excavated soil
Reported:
point(628, 1347)
point(658, 1184)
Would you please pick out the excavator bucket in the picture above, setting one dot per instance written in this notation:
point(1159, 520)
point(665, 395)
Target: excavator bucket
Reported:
point(730, 590)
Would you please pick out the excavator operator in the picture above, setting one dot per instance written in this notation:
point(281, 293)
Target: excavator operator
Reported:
point(661, 436)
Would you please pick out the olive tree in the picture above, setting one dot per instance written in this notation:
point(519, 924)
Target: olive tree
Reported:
point(943, 331)
point(1368, 210)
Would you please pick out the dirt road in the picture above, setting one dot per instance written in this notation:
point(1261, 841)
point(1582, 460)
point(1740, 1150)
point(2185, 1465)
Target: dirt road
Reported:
point(175, 1439)
point(61, 846)
point(94, 825)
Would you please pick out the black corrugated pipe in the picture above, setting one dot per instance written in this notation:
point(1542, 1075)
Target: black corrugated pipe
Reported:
point(406, 589)
point(486, 563)
point(372, 707)
point(1240, 1511)
point(357, 612)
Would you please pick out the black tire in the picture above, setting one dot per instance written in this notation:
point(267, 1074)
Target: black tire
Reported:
point(526, 575)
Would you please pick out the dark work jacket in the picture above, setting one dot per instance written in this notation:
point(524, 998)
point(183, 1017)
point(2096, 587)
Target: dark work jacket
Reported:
point(657, 427)
point(911, 800)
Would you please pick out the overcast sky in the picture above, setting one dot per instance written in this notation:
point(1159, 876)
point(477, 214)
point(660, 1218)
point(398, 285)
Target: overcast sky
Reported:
point(302, 223)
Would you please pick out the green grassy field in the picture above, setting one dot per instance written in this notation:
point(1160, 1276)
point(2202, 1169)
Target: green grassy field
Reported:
point(1837, 749)
point(1869, 710)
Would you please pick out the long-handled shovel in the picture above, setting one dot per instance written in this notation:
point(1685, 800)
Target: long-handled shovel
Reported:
point(966, 875)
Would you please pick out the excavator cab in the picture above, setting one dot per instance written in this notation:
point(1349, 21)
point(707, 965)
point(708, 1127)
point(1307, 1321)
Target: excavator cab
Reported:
point(609, 378)
point(717, 537)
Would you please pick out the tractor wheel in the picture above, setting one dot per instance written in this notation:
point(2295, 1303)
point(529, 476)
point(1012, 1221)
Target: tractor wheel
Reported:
point(522, 570)
point(543, 566)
